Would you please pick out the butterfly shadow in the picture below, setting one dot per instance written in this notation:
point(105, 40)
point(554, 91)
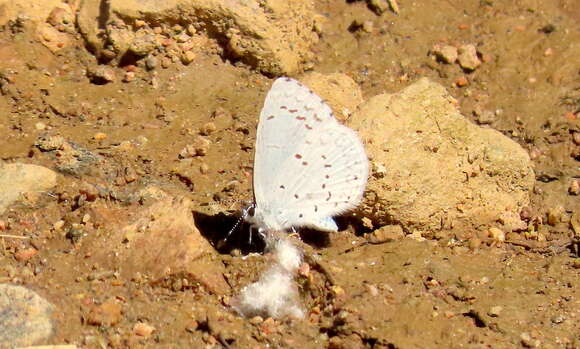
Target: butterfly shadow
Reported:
point(218, 230)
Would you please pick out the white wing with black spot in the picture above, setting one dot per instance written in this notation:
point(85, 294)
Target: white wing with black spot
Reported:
point(308, 167)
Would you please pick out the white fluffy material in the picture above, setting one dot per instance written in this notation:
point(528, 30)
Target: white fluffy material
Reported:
point(287, 255)
point(275, 294)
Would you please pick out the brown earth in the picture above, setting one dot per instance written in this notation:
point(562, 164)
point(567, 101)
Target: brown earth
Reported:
point(155, 118)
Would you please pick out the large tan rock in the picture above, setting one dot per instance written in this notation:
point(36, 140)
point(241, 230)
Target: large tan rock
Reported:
point(273, 36)
point(19, 179)
point(25, 317)
point(162, 242)
point(433, 169)
point(34, 10)
point(339, 90)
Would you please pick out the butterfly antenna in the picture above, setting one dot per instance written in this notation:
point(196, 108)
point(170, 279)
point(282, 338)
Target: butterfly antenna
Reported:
point(245, 213)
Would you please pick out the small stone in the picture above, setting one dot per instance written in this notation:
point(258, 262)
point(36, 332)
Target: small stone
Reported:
point(57, 226)
point(304, 270)
point(256, 320)
point(445, 53)
point(3, 225)
point(461, 81)
point(385, 234)
point(187, 57)
point(101, 74)
point(203, 168)
point(25, 254)
point(86, 218)
point(463, 26)
point(207, 129)
point(129, 76)
point(558, 319)
point(495, 311)
point(151, 62)
point(555, 215)
point(106, 314)
point(191, 29)
point(576, 138)
point(165, 62)
point(467, 57)
point(130, 175)
point(474, 243)
point(368, 26)
point(89, 191)
point(378, 6)
point(549, 52)
point(574, 188)
point(143, 330)
point(40, 126)
point(487, 117)
point(496, 234)
point(201, 146)
point(99, 136)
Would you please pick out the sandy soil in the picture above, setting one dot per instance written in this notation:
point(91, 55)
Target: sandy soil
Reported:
point(135, 135)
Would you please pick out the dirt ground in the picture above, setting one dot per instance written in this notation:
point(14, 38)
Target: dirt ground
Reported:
point(125, 144)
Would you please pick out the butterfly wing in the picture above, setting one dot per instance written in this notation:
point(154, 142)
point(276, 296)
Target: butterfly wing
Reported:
point(308, 167)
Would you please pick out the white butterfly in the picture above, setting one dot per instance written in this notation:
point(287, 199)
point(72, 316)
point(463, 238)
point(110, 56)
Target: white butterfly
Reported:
point(308, 167)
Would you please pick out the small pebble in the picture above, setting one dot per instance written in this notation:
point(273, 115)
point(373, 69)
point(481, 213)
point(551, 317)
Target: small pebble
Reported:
point(467, 57)
point(368, 26)
point(496, 234)
point(99, 136)
point(207, 129)
point(25, 254)
point(574, 188)
point(555, 215)
point(40, 126)
point(445, 53)
point(203, 168)
point(3, 225)
point(188, 57)
point(140, 23)
point(572, 117)
point(143, 330)
point(548, 52)
point(461, 81)
point(495, 311)
point(256, 320)
point(151, 62)
point(576, 138)
point(129, 76)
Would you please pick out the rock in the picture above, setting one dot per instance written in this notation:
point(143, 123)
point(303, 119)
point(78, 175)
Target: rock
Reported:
point(106, 314)
point(101, 74)
point(24, 317)
point(273, 37)
point(143, 330)
point(18, 179)
point(467, 57)
point(340, 91)
point(445, 53)
point(25, 254)
point(175, 249)
point(432, 168)
point(70, 158)
point(37, 11)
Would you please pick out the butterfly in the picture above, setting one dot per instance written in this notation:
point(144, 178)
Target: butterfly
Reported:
point(308, 167)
